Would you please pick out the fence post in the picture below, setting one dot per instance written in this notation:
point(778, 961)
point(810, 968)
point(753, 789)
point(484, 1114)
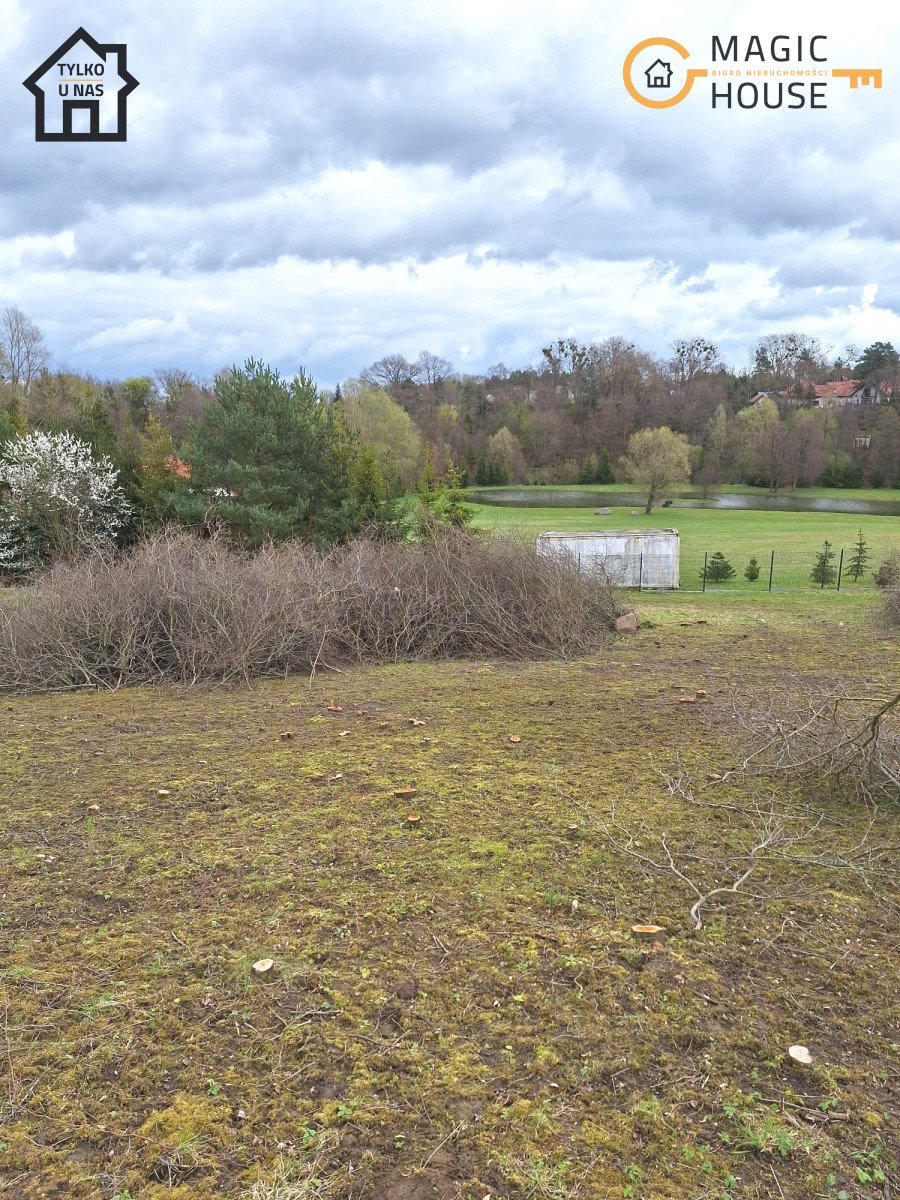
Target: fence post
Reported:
point(771, 569)
point(705, 557)
point(641, 572)
point(840, 569)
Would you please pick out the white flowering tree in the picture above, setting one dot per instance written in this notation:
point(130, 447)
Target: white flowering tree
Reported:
point(56, 501)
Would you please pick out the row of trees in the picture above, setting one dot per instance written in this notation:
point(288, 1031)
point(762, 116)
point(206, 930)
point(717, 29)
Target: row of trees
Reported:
point(717, 568)
point(269, 457)
point(569, 418)
point(566, 420)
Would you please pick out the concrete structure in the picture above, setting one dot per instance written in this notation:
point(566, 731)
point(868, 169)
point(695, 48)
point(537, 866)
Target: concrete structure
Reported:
point(630, 557)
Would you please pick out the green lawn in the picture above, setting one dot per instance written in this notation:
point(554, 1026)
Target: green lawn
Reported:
point(795, 537)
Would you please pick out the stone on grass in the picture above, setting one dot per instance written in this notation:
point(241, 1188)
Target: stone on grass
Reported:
point(627, 623)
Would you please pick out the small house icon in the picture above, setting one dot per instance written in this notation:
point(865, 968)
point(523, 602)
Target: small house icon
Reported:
point(659, 74)
point(86, 78)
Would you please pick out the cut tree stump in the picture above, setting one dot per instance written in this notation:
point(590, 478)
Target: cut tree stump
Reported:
point(648, 933)
point(263, 968)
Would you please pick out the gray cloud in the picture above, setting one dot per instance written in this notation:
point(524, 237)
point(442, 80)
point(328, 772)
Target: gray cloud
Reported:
point(321, 157)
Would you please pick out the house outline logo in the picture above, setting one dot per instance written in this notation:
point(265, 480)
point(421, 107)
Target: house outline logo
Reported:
point(89, 91)
point(693, 73)
point(661, 78)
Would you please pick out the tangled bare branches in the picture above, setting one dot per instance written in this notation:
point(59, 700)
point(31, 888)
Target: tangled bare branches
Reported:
point(704, 876)
point(838, 744)
point(775, 834)
point(181, 610)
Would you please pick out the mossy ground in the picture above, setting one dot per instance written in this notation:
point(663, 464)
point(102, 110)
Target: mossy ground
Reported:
point(444, 1020)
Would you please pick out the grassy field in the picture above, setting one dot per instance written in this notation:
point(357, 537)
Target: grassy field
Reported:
point(795, 537)
point(458, 1010)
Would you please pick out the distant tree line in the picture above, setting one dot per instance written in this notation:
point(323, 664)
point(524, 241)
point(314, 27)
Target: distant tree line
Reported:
point(569, 418)
point(264, 457)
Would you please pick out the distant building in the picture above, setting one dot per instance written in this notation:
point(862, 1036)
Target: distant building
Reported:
point(641, 558)
point(847, 391)
point(822, 395)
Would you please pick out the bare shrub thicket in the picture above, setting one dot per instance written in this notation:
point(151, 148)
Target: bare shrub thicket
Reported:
point(892, 605)
point(183, 610)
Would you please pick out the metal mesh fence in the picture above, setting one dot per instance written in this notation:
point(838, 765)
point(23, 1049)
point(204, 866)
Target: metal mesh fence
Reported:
point(779, 570)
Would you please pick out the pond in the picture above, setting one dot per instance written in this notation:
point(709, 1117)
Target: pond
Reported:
point(580, 498)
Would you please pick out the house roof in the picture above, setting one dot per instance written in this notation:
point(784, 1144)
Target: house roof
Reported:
point(177, 467)
point(82, 35)
point(838, 389)
point(834, 389)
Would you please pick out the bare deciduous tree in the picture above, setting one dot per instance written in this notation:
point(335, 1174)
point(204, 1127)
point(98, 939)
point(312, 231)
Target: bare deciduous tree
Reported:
point(431, 368)
point(694, 356)
point(394, 370)
point(786, 357)
point(23, 352)
point(171, 384)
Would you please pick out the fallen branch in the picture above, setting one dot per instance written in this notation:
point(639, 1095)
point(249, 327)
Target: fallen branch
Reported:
point(821, 748)
point(770, 833)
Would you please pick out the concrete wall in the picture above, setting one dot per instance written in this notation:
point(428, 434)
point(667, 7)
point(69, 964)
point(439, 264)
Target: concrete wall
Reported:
point(630, 557)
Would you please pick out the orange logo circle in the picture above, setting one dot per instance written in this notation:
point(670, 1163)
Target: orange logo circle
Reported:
point(662, 80)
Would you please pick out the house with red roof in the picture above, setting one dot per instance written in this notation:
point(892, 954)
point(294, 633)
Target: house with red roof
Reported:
point(835, 392)
point(846, 391)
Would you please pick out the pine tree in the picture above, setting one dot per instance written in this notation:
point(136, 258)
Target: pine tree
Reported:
point(588, 472)
point(751, 571)
point(857, 564)
point(441, 501)
point(427, 479)
point(271, 460)
point(453, 507)
point(718, 569)
point(604, 467)
point(824, 571)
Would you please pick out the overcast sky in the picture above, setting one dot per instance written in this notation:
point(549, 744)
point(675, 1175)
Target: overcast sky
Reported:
point(320, 184)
